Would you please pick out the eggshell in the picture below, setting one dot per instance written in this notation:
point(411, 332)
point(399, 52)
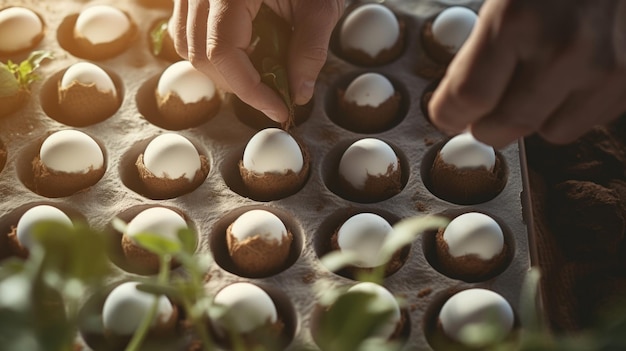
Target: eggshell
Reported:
point(172, 156)
point(474, 233)
point(370, 28)
point(464, 151)
point(101, 24)
point(259, 223)
point(88, 74)
point(369, 89)
point(453, 26)
point(19, 28)
point(189, 84)
point(384, 299)
point(248, 307)
point(364, 234)
point(468, 310)
point(272, 150)
point(35, 215)
point(158, 221)
point(367, 157)
point(126, 306)
point(71, 151)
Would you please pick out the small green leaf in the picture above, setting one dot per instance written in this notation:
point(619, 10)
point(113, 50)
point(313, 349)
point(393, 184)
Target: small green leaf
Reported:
point(157, 35)
point(188, 240)
point(157, 244)
point(351, 320)
point(336, 260)
point(529, 314)
point(157, 289)
point(409, 229)
point(72, 252)
point(9, 86)
point(119, 225)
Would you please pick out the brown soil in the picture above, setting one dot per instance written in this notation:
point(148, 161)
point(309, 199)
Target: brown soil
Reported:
point(469, 268)
point(368, 119)
point(256, 256)
point(579, 210)
point(376, 187)
point(467, 186)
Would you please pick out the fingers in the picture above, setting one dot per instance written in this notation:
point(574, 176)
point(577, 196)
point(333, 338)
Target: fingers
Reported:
point(478, 76)
point(535, 92)
point(309, 45)
point(586, 109)
point(177, 27)
point(227, 39)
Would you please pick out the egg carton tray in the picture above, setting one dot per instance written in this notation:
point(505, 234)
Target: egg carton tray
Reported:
point(312, 211)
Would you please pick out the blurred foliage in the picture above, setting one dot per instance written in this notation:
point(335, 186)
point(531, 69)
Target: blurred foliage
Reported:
point(40, 297)
point(157, 36)
point(16, 76)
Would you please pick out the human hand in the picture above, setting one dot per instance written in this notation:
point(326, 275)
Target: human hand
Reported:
point(555, 67)
point(214, 35)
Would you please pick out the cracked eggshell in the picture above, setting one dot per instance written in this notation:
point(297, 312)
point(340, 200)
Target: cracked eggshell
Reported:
point(474, 233)
point(369, 89)
point(88, 74)
point(157, 220)
point(189, 84)
point(364, 234)
point(370, 28)
point(247, 307)
point(384, 299)
point(259, 223)
point(126, 306)
point(172, 156)
point(452, 27)
point(272, 150)
point(71, 151)
point(366, 157)
point(100, 24)
point(20, 29)
point(35, 215)
point(464, 151)
point(467, 311)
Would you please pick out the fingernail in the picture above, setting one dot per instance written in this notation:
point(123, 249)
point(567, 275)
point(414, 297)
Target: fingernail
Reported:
point(306, 92)
point(271, 115)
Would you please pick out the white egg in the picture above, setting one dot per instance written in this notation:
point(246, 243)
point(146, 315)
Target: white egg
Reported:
point(367, 157)
point(126, 306)
point(88, 74)
point(453, 26)
point(474, 233)
point(464, 151)
point(259, 223)
point(383, 300)
point(369, 89)
point(102, 24)
point(19, 27)
point(172, 156)
point(159, 221)
point(272, 150)
point(248, 307)
point(35, 215)
point(71, 151)
point(465, 314)
point(186, 82)
point(364, 234)
point(370, 28)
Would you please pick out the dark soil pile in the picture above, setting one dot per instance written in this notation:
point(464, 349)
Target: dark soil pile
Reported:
point(579, 207)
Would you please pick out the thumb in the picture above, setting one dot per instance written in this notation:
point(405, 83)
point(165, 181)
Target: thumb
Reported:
point(313, 23)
